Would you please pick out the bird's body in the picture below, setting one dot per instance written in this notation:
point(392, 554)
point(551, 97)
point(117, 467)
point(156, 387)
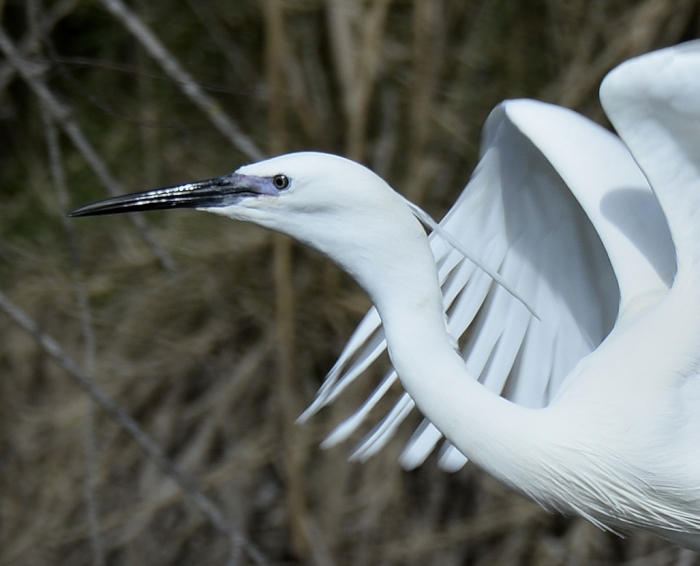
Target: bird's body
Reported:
point(591, 409)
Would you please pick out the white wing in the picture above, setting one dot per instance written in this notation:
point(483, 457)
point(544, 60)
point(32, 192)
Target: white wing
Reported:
point(654, 103)
point(558, 206)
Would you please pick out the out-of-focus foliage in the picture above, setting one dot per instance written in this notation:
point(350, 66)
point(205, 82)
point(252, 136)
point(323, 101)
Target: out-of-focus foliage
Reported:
point(216, 358)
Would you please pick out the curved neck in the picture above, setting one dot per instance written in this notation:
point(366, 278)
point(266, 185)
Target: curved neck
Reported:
point(488, 429)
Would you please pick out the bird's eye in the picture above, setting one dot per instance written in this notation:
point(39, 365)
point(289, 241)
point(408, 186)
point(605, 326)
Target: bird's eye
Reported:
point(280, 181)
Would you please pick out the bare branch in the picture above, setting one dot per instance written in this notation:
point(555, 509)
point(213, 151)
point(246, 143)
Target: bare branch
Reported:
point(31, 43)
point(203, 503)
point(183, 79)
point(90, 485)
point(60, 113)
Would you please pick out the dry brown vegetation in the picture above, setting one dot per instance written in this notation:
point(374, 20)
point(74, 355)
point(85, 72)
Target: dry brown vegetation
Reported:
point(214, 336)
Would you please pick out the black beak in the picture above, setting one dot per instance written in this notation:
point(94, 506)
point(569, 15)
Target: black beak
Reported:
point(219, 192)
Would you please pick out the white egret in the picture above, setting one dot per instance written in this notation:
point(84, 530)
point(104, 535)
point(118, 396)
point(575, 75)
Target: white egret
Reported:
point(592, 407)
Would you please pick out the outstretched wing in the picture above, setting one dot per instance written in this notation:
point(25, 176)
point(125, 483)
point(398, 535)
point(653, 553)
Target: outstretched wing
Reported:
point(543, 208)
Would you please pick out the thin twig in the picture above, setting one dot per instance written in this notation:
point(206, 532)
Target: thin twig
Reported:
point(425, 74)
point(33, 40)
point(290, 464)
point(90, 487)
point(87, 383)
point(239, 62)
point(62, 115)
point(357, 61)
point(183, 79)
point(59, 182)
point(647, 19)
point(343, 48)
point(367, 66)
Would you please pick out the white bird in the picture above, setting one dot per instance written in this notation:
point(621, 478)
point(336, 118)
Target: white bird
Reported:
point(591, 408)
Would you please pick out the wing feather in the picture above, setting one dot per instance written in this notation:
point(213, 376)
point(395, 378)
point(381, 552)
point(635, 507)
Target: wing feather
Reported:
point(521, 214)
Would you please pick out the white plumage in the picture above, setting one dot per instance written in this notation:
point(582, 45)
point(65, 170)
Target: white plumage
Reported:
point(590, 408)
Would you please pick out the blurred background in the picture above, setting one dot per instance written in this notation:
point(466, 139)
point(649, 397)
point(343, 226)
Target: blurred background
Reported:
point(214, 336)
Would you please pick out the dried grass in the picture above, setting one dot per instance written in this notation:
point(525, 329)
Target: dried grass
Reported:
point(215, 359)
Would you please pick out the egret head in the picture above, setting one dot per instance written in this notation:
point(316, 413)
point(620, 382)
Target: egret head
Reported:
point(330, 203)
point(293, 193)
